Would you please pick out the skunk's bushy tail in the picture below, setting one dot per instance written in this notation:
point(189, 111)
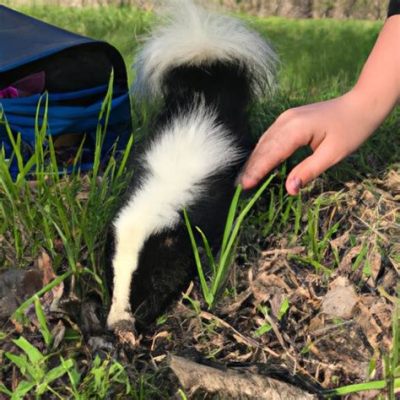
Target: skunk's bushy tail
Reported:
point(195, 52)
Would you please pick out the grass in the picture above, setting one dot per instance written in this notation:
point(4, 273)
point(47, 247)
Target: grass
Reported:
point(220, 268)
point(67, 217)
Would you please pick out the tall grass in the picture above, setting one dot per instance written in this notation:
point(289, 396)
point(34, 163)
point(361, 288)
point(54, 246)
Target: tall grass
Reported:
point(220, 267)
point(319, 57)
point(67, 215)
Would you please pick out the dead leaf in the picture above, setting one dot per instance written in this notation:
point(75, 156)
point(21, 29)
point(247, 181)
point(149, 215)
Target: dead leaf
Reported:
point(340, 300)
point(276, 303)
point(159, 335)
point(340, 241)
point(264, 285)
point(375, 263)
point(58, 333)
point(46, 267)
point(346, 264)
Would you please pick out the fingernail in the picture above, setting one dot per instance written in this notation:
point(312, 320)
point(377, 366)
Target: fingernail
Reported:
point(295, 184)
point(245, 180)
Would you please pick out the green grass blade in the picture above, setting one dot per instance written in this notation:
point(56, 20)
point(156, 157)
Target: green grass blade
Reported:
point(57, 372)
point(360, 387)
point(231, 217)
point(31, 351)
point(126, 154)
point(23, 388)
point(21, 362)
point(226, 255)
point(208, 250)
point(44, 330)
point(206, 291)
point(4, 390)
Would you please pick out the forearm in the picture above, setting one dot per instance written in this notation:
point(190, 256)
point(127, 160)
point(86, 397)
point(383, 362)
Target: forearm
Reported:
point(377, 90)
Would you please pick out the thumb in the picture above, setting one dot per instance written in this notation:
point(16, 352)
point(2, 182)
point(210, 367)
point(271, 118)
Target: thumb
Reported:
point(323, 158)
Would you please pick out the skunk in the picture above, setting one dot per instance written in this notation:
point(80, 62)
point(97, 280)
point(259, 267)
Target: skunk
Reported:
point(205, 69)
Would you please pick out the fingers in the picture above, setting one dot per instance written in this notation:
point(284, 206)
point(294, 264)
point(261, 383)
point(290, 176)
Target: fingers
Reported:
point(324, 126)
point(324, 157)
point(278, 143)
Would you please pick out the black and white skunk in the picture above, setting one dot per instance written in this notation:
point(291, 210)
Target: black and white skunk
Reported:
point(206, 69)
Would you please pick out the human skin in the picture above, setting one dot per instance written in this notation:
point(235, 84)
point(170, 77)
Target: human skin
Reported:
point(334, 128)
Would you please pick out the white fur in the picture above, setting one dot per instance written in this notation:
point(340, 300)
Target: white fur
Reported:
point(191, 149)
point(192, 36)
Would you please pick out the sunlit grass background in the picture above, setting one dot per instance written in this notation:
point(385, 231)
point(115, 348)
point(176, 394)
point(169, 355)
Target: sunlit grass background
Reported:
point(317, 56)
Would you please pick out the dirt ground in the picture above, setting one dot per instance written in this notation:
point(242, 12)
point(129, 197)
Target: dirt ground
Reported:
point(283, 315)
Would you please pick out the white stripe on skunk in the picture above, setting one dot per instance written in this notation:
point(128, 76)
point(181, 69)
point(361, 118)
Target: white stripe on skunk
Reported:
point(192, 148)
point(191, 36)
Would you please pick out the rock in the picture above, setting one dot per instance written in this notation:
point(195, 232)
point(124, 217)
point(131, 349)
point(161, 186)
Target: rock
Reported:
point(16, 285)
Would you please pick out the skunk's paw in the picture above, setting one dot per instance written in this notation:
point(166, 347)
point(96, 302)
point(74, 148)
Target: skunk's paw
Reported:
point(126, 333)
point(122, 323)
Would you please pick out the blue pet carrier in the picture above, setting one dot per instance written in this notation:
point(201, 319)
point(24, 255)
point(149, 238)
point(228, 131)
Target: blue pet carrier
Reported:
point(39, 61)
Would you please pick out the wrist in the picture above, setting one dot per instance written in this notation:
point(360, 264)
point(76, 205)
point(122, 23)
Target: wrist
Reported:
point(368, 108)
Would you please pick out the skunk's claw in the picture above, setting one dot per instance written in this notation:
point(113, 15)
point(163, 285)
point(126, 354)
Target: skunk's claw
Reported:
point(126, 333)
point(123, 326)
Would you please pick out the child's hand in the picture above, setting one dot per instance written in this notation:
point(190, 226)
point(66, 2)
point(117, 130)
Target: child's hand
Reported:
point(333, 129)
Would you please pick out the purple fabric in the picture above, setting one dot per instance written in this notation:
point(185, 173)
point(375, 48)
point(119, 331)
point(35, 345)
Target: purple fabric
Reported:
point(31, 84)
point(8, 93)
